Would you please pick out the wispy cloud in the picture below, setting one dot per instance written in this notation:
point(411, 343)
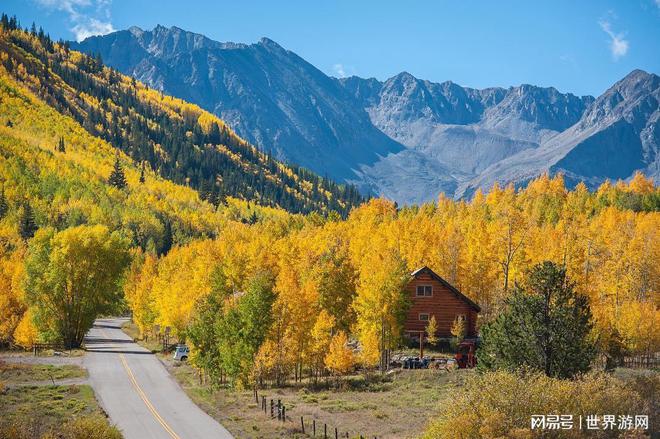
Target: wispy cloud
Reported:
point(339, 70)
point(618, 43)
point(342, 70)
point(86, 17)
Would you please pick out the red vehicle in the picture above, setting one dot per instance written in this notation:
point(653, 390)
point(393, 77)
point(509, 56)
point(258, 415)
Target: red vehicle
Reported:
point(466, 356)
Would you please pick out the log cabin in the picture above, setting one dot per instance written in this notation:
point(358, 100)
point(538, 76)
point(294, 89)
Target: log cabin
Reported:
point(430, 295)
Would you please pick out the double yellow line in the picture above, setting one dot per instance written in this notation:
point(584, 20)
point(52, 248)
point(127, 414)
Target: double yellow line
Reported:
point(140, 392)
point(145, 399)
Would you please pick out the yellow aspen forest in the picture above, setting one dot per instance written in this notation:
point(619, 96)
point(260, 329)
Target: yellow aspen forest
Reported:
point(607, 241)
point(329, 275)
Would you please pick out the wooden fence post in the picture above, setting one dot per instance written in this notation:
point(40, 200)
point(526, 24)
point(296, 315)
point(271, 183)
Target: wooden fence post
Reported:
point(314, 427)
point(283, 413)
point(302, 424)
point(336, 437)
point(325, 431)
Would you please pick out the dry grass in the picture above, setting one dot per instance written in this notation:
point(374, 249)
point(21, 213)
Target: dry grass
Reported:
point(395, 406)
point(19, 373)
point(49, 406)
point(30, 410)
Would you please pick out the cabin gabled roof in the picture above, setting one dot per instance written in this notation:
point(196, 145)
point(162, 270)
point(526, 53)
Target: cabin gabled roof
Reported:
point(427, 270)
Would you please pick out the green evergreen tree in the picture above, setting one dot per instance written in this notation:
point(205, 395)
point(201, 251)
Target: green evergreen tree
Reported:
point(117, 177)
point(168, 239)
point(27, 226)
point(60, 145)
point(546, 326)
point(4, 206)
point(142, 179)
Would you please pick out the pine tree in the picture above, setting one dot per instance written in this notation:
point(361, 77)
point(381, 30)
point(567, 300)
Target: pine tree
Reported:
point(142, 179)
point(26, 224)
point(546, 326)
point(168, 238)
point(4, 207)
point(117, 177)
point(60, 145)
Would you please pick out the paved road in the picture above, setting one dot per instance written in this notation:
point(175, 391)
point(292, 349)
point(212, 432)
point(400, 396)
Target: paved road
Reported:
point(138, 393)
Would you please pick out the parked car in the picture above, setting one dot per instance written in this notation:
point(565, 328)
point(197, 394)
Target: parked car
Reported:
point(181, 352)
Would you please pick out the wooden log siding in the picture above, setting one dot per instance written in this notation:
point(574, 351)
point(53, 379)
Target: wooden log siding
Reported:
point(445, 303)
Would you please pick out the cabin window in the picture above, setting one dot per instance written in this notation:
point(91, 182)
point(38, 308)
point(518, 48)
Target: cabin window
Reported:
point(424, 317)
point(461, 318)
point(424, 290)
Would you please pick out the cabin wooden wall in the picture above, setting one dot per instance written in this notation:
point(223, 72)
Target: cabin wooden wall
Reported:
point(444, 305)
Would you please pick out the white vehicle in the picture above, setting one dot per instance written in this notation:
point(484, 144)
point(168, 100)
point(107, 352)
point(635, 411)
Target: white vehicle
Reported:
point(181, 353)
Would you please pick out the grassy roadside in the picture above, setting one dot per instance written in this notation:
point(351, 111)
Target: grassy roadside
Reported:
point(396, 406)
point(17, 373)
point(31, 411)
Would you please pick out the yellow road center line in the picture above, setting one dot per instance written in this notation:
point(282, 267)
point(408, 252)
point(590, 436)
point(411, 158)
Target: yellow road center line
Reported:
point(143, 396)
point(145, 399)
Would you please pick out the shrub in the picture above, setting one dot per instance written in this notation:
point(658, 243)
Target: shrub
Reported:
point(500, 404)
point(88, 427)
point(91, 427)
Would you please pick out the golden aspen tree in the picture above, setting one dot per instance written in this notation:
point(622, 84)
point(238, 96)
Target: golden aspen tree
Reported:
point(380, 304)
point(26, 333)
point(321, 336)
point(12, 303)
point(339, 358)
point(638, 324)
point(432, 331)
point(138, 290)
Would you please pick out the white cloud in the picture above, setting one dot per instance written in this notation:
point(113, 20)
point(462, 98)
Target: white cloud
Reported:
point(86, 17)
point(342, 70)
point(90, 28)
point(618, 43)
point(339, 70)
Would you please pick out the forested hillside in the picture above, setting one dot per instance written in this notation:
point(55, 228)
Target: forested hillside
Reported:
point(54, 175)
point(179, 141)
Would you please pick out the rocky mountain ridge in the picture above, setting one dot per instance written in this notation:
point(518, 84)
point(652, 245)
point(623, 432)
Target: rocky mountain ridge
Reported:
point(405, 138)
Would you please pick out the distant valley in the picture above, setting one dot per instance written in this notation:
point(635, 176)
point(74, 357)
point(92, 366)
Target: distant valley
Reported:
point(406, 139)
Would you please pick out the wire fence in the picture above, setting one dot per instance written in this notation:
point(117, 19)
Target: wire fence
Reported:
point(275, 409)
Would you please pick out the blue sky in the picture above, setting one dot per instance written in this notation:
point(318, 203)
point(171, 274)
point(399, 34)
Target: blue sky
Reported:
point(578, 46)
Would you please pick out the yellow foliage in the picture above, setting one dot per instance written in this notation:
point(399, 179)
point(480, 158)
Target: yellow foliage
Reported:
point(340, 359)
point(26, 333)
point(639, 326)
point(12, 306)
point(607, 250)
point(490, 405)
